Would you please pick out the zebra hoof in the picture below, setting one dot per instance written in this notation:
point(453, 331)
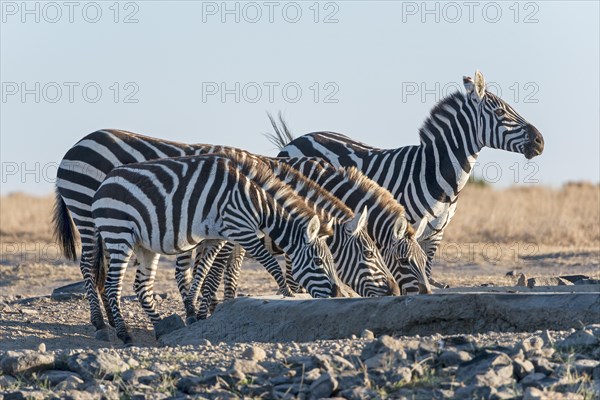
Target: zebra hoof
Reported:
point(103, 334)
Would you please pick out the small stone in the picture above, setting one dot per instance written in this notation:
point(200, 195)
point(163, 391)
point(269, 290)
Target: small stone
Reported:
point(474, 392)
point(144, 376)
point(383, 344)
point(454, 357)
point(531, 344)
point(532, 393)
point(312, 375)
point(543, 365)
point(522, 281)
point(68, 292)
point(42, 348)
point(324, 386)
point(254, 353)
point(7, 381)
point(367, 334)
point(547, 281)
point(532, 379)
point(25, 394)
point(358, 393)
point(246, 367)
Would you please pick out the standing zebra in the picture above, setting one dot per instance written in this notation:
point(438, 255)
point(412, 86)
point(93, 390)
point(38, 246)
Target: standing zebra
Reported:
point(428, 178)
point(169, 206)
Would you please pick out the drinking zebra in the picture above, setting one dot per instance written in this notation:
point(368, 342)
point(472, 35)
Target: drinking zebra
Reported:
point(428, 178)
point(356, 256)
point(387, 225)
point(169, 206)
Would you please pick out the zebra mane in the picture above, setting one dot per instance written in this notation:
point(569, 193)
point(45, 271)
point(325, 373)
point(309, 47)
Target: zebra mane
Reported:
point(276, 188)
point(282, 137)
point(453, 99)
point(380, 193)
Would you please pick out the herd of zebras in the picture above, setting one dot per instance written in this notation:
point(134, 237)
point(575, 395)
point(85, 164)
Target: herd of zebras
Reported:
point(338, 209)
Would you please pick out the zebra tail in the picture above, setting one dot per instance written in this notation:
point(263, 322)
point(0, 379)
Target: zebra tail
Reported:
point(282, 136)
point(64, 228)
point(99, 264)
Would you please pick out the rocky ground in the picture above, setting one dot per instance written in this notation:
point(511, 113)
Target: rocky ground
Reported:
point(48, 349)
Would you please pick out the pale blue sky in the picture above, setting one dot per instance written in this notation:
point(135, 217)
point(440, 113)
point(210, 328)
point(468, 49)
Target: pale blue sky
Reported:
point(371, 61)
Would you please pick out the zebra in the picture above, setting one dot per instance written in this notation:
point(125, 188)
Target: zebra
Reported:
point(428, 178)
point(357, 259)
point(387, 225)
point(169, 206)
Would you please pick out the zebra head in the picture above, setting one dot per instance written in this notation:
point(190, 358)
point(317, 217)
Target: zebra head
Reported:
point(312, 262)
point(359, 262)
point(406, 258)
point(499, 126)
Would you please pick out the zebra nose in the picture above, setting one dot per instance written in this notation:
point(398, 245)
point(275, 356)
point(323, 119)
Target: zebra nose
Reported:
point(536, 138)
point(424, 289)
point(394, 288)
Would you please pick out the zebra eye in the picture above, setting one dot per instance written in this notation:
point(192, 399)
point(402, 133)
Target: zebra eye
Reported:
point(369, 254)
point(318, 262)
point(500, 112)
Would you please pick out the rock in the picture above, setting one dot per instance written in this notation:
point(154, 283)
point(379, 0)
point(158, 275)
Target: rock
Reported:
point(532, 379)
point(585, 366)
point(383, 344)
point(574, 278)
point(168, 325)
point(531, 344)
point(254, 353)
point(490, 367)
point(532, 393)
point(367, 334)
point(69, 292)
point(511, 273)
point(77, 395)
point(96, 365)
point(543, 365)
point(522, 368)
point(68, 380)
point(522, 281)
point(144, 376)
point(324, 386)
point(547, 281)
point(193, 385)
point(42, 348)
point(403, 374)
point(581, 338)
point(26, 362)
point(246, 367)
point(454, 357)
point(351, 379)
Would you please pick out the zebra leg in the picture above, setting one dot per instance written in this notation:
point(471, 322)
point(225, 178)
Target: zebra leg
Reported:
point(144, 282)
point(294, 286)
point(119, 257)
point(232, 275)
point(257, 250)
point(213, 279)
point(210, 253)
point(183, 273)
point(430, 246)
point(85, 265)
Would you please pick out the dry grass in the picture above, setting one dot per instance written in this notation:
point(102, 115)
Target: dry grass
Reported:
point(569, 216)
point(26, 218)
point(566, 217)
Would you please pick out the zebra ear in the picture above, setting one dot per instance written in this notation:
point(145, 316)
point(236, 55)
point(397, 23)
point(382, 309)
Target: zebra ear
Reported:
point(400, 228)
point(312, 230)
point(421, 228)
point(359, 222)
point(479, 84)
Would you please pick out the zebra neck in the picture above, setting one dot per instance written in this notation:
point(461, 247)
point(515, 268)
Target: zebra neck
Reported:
point(446, 156)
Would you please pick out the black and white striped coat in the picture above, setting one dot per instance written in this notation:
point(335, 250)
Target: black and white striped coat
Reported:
point(169, 206)
point(428, 178)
